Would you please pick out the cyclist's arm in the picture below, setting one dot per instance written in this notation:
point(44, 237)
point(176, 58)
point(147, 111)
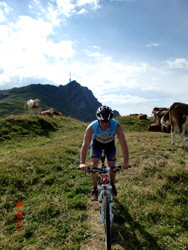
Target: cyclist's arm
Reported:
point(124, 147)
point(85, 146)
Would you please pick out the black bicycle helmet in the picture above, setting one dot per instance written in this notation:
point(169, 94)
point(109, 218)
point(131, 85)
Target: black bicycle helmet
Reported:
point(104, 113)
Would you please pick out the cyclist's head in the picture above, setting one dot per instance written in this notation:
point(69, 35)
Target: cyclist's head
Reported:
point(104, 113)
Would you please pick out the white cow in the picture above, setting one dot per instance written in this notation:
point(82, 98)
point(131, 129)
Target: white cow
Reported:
point(32, 105)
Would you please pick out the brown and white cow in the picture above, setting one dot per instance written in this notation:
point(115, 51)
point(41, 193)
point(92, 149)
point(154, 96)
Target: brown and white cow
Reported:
point(57, 113)
point(154, 127)
point(48, 112)
point(142, 117)
point(178, 117)
point(158, 113)
point(165, 122)
point(32, 105)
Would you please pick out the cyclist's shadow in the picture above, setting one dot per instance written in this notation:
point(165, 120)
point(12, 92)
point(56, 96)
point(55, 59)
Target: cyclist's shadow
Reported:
point(124, 230)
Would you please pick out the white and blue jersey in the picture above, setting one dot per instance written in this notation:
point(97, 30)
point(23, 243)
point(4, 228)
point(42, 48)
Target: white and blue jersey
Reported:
point(107, 135)
point(104, 139)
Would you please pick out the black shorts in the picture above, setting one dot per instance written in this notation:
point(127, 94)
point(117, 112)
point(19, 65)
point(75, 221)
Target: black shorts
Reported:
point(97, 147)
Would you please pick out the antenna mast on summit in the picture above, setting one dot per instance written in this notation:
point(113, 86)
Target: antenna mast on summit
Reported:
point(70, 77)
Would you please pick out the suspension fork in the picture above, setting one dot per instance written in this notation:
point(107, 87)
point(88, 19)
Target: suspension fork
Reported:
point(110, 199)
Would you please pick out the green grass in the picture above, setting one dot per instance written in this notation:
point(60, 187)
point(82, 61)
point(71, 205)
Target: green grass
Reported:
point(38, 158)
point(154, 196)
point(16, 127)
point(131, 123)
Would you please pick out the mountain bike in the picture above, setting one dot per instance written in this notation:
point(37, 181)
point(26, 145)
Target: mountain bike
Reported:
point(105, 197)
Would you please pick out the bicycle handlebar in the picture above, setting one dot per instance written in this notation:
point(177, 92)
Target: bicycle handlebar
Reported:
point(104, 169)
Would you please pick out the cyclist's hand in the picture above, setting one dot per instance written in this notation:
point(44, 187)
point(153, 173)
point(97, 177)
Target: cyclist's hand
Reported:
point(83, 167)
point(124, 166)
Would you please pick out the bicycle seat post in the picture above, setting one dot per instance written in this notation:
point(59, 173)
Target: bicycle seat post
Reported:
point(103, 157)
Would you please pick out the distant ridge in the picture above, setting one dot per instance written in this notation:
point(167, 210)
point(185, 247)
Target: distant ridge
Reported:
point(71, 99)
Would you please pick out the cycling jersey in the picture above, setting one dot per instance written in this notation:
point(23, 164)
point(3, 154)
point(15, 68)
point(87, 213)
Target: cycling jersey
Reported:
point(107, 135)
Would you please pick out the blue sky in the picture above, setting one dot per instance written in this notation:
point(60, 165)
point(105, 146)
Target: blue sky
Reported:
point(132, 54)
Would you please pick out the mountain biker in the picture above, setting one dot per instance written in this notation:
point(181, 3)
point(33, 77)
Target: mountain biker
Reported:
point(101, 135)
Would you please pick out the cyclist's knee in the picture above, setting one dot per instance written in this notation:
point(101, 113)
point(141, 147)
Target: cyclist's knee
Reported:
point(94, 162)
point(111, 164)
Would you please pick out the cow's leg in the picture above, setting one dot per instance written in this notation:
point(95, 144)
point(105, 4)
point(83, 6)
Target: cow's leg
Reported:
point(182, 133)
point(32, 113)
point(173, 134)
point(182, 138)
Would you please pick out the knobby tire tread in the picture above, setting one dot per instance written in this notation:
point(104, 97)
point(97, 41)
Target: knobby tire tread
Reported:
point(107, 223)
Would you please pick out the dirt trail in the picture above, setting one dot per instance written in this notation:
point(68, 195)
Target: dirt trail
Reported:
point(97, 240)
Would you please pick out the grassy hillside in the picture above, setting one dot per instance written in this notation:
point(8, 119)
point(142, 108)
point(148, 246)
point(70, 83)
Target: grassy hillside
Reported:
point(38, 158)
point(15, 127)
point(132, 124)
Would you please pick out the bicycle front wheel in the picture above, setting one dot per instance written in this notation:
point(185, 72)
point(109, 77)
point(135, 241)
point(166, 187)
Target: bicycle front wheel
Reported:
point(107, 222)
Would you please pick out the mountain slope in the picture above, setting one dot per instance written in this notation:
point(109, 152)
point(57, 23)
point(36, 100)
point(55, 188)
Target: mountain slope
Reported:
point(72, 100)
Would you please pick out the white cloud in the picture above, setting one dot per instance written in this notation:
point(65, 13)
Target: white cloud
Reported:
point(65, 7)
point(94, 4)
point(123, 99)
point(4, 10)
point(149, 45)
point(107, 76)
point(178, 63)
point(94, 54)
point(31, 27)
point(69, 7)
point(122, 0)
point(27, 51)
point(82, 11)
point(96, 47)
point(127, 104)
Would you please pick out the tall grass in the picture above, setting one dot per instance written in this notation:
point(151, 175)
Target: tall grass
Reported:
point(38, 158)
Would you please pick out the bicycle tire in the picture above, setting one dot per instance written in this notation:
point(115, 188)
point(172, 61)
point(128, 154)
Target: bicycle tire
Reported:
point(107, 222)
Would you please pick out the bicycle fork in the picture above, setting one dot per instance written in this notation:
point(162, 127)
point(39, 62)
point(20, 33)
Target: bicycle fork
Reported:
point(110, 199)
